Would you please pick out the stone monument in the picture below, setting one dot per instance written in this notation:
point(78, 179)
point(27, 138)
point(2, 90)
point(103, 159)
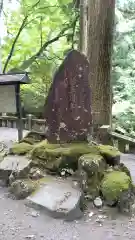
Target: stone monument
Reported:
point(67, 109)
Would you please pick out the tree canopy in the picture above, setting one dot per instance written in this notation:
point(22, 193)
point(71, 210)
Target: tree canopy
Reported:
point(38, 33)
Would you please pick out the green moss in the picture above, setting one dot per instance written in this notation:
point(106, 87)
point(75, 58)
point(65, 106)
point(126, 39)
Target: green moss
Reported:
point(113, 184)
point(46, 154)
point(123, 168)
point(78, 149)
point(44, 149)
point(40, 149)
point(109, 151)
point(20, 148)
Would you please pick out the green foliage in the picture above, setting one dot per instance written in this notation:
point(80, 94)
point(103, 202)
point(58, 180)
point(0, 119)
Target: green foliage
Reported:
point(36, 40)
point(40, 32)
point(123, 74)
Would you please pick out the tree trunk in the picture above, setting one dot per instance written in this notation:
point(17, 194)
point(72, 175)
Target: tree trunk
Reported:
point(1, 8)
point(101, 23)
point(83, 45)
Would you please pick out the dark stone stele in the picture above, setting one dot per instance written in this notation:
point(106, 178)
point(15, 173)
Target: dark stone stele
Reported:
point(67, 110)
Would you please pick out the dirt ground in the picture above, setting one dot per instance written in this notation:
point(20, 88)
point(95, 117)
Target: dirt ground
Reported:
point(18, 221)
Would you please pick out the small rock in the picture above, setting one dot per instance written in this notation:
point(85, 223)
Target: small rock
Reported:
point(62, 173)
point(88, 197)
point(32, 237)
point(100, 219)
point(34, 214)
point(36, 173)
point(98, 202)
point(75, 183)
point(91, 214)
point(133, 206)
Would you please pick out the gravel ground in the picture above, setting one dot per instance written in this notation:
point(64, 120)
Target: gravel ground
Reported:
point(18, 222)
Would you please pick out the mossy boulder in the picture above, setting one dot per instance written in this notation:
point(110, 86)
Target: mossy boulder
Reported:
point(22, 188)
point(113, 184)
point(20, 148)
point(58, 156)
point(39, 150)
point(92, 163)
point(91, 168)
point(111, 154)
point(45, 149)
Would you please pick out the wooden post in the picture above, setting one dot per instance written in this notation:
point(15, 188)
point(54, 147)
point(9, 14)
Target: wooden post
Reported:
point(19, 112)
point(29, 116)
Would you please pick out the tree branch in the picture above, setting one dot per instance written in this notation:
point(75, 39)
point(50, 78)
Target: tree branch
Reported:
point(29, 62)
point(1, 6)
point(14, 43)
point(16, 38)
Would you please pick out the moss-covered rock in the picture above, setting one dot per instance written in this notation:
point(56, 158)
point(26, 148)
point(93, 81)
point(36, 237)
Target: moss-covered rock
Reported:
point(111, 154)
point(113, 184)
point(54, 156)
point(122, 168)
point(32, 138)
point(37, 137)
point(44, 149)
point(20, 148)
point(126, 201)
point(39, 150)
point(92, 163)
point(22, 188)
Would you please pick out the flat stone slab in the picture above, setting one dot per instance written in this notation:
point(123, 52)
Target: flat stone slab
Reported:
point(60, 197)
point(18, 164)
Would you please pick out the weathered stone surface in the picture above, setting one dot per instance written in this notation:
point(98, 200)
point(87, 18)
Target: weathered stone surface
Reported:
point(67, 108)
point(59, 197)
point(17, 164)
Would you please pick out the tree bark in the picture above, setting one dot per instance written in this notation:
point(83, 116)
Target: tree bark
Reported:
point(1, 8)
point(83, 45)
point(100, 40)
